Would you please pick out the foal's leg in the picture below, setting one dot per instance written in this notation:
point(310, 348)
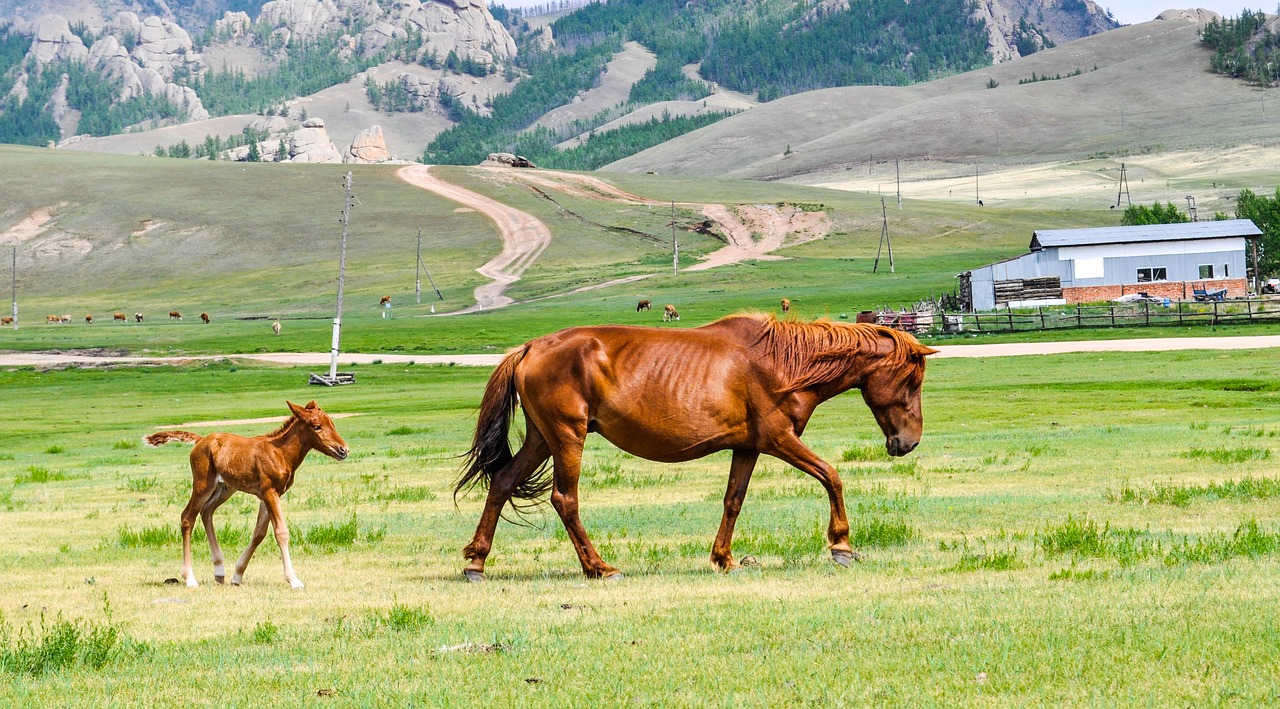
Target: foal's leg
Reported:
point(221, 495)
point(790, 449)
point(202, 487)
point(528, 459)
point(272, 500)
point(564, 498)
point(744, 463)
point(259, 533)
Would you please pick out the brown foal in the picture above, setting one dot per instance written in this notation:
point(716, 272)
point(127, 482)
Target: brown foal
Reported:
point(223, 464)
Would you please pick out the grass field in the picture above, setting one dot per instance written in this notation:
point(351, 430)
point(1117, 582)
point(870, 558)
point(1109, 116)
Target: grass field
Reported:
point(1078, 529)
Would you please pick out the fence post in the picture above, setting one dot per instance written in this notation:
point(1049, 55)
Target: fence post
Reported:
point(1079, 322)
point(1010, 314)
point(1179, 313)
point(1146, 313)
point(1042, 317)
point(1248, 306)
point(1215, 312)
point(1113, 316)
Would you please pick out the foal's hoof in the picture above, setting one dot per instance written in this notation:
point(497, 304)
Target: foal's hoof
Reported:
point(220, 579)
point(296, 585)
point(615, 576)
point(845, 558)
point(473, 576)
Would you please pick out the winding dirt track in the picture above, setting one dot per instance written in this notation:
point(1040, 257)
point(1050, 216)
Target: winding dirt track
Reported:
point(524, 236)
point(1250, 342)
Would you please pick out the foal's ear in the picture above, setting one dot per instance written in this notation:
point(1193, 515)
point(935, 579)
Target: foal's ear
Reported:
point(926, 351)
point(297, 410)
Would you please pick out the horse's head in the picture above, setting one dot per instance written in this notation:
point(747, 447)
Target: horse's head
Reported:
point(319, 431)
point(891, 389)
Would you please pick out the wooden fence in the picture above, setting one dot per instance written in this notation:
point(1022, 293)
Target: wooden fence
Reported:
point(1177, 313)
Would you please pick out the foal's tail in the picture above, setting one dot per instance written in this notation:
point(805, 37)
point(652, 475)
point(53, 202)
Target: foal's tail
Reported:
point(490, 449)
point(162, 437)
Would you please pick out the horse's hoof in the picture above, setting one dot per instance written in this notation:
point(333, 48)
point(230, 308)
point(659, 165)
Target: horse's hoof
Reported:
point(844, 558)
point(192, 583)
point(237, 580)
point(473, 576)
point(296, 585)
point(615, 576)
point(220, 579)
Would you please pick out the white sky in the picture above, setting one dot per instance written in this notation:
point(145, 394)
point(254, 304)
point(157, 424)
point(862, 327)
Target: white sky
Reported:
point(1129, 12)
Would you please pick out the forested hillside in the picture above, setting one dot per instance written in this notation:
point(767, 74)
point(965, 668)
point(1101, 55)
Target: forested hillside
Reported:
point(1245, 47)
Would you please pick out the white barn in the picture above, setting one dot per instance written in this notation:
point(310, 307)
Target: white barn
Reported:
point(1090, 265)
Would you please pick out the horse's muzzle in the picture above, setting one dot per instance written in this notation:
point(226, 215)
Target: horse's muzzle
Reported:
point(341, 453)
point(898, 447)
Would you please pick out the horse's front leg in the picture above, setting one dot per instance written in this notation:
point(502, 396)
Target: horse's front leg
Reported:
point(272, 500)
point(790, 449)
point(744, 463)
point(564, 498)
point(259, 533)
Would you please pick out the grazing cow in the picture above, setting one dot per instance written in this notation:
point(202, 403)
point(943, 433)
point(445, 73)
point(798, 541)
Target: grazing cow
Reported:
point(137, 317)
point(669, 313)
point(175, 315)
point(65, 318)
point(644, 305)
point(51, 318)
point(205, 318)
point(786, 306)
point(119, 316)
point(6, 320)
point(88, 319)
point(275, 327)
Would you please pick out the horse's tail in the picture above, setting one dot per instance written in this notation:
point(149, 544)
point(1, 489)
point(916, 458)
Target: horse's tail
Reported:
point(491, 448)
point(162, 437)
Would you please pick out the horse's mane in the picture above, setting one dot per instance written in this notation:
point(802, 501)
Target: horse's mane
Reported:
point(283, 427)
point(814, 353)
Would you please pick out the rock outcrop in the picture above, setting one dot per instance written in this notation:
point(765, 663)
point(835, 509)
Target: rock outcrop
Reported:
point(311, 144)
point(53, 40)
point(369, 146)
point(462, 26)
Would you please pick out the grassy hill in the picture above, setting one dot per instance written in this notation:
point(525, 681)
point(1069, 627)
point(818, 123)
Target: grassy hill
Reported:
point(261, 240)
point(1142, 88)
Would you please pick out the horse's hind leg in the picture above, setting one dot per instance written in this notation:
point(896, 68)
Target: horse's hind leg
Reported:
point(526, 462)
point(564, 498)
point(202, 487)
point(221, 495)
point(259, 533)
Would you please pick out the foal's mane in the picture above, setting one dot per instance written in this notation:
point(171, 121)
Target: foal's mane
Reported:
point(814, 353)
point(283, 427)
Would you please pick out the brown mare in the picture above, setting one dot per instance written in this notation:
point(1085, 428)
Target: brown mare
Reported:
point(175, 315)
point(223, 464)
point(786, 306)
point(745, 383)
point(6, 320)
point(119, 316)
point(669, 313)
point(205, 318)
point(644, 305)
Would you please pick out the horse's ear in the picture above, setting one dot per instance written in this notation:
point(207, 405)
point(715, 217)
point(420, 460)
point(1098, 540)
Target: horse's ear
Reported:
point(312, 404)
point(297, 410)
point(926, 351)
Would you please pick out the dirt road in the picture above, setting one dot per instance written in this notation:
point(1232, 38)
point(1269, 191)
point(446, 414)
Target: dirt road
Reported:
point(1247, 342)
point(524, 236)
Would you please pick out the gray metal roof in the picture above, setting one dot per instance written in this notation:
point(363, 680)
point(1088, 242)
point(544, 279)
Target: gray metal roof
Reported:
point(1227, 228)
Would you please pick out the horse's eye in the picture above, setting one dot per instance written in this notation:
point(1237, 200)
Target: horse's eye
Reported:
point(316, 426)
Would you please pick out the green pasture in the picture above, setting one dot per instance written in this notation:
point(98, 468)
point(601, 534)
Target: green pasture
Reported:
point(1074, 529)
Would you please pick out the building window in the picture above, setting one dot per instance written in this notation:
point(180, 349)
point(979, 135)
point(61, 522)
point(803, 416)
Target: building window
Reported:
point(1146, 275)
point(1206, 271)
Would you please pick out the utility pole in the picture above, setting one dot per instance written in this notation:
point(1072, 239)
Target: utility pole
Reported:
point(884, 239)
point(1191, 208)
point(417, 270)
point(977, 199)
point(346, 377)
point(1123, 189)
point(675, 245)
point(342, 276)
point(897, 179)
point(14, 272)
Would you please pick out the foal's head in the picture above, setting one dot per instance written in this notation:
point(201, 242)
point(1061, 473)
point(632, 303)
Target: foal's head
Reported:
point(318, 431)
point(892, 390)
